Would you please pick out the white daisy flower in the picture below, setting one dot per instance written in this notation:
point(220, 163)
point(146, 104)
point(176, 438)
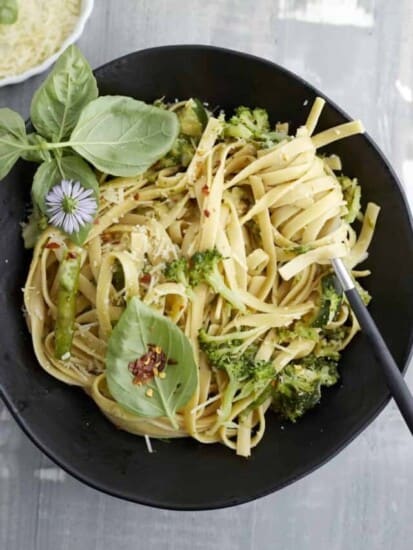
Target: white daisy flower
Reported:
point(70, 206)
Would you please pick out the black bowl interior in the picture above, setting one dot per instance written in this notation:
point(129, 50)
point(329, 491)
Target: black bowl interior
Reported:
point(183, 474)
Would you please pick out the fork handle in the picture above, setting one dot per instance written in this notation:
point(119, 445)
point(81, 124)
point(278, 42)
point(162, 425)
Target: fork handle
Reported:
point(392, 374)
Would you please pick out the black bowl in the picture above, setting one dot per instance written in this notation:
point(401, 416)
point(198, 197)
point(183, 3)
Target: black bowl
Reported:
point(182, 474)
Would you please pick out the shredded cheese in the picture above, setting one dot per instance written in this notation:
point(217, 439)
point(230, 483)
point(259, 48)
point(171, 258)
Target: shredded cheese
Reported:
point(41, 28)
point(148, 444)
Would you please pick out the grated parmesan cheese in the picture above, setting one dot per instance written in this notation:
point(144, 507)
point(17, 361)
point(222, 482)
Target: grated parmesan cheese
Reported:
point(41, 28)
point(148, 443)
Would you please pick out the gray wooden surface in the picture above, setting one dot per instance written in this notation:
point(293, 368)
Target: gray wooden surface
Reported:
point(360, 53)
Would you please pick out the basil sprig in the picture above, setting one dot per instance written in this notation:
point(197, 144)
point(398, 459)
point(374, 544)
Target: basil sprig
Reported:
point(117, 135)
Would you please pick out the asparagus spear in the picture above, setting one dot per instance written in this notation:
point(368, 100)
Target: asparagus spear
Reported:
point(66, 302)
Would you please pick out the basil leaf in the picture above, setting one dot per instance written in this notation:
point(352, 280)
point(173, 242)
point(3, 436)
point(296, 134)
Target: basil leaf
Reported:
point(123, 136)
point(138, 327)
point(51, 173)
point(58, 102)
point(8, 12)
point(36, 155)
point(13, 140)
point(47, 175)
point(80, 236)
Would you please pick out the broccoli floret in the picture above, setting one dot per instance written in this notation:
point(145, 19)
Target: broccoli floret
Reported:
point(248, 123)
point(331, 300)
point(364, 294)
point(296, 391)
point(193, 118)
point(297, 330)
point(177, 271)
point(246, 374)
point(352, 195)
point(204, 269)
point(180, 154)
point(252, 125)
point(298, 387)
point(331, 342)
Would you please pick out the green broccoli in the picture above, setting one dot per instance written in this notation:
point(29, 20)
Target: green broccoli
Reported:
point(331, 342)
point(204, 269)
point(246, 374)
point(177, 271)
point(297, 330)
point(193, 118)
point(331, 300)
point(298, 387)
point(247, 123)
point(364, 294)
point(180, 155)
point(252, 125)
point(352, 195)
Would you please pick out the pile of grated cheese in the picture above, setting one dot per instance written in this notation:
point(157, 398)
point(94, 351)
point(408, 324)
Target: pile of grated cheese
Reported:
point(41, 28)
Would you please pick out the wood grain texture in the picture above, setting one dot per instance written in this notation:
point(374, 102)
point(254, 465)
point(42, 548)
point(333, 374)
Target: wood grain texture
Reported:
point(359, 52)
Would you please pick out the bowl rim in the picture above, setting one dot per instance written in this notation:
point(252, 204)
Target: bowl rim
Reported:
point(362, 424)
point(86, 10)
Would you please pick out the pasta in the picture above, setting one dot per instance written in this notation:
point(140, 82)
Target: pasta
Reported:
point(41, 28)
point(277, 215)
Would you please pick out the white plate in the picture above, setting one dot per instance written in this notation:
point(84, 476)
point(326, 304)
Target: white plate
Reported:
point(85, 11)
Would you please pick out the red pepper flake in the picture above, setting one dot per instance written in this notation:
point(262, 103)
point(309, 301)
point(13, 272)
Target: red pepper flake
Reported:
point(52, 245)
point(136, 196)
point(72, 255)
point(145, 278)
point(207, 213)
point(96, 221)
point(145, 368)
point(205, 190)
